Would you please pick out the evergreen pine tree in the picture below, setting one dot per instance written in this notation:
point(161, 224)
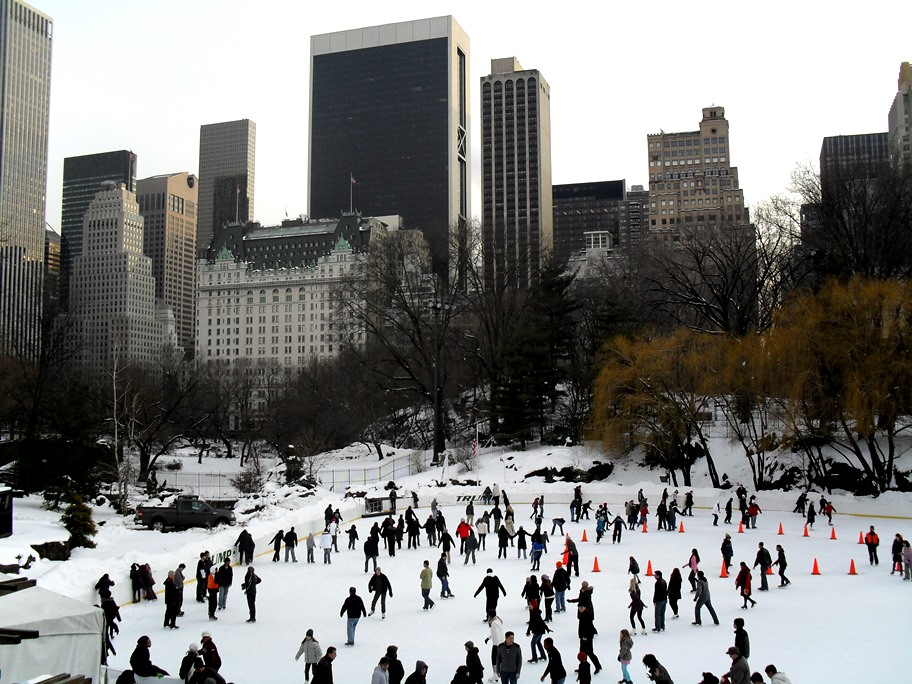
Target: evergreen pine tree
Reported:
point(77, 519)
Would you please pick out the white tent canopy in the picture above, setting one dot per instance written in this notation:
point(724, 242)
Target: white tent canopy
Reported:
point(69, 639)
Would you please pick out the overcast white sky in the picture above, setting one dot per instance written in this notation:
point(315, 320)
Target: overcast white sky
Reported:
point(145, 75)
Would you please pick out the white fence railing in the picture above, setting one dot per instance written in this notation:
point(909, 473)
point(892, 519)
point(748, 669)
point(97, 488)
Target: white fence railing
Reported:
point(339, 476)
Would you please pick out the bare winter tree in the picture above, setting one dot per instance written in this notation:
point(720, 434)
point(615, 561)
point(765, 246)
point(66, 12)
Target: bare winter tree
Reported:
point(857, 219)
point(728, 280)
point(402, 313)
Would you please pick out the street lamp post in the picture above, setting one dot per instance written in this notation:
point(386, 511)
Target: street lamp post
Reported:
point(437, 307)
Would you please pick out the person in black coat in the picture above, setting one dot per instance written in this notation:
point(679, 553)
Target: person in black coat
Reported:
point(380, 585)
point(141, 660)
point(473, 663)
point(742, 639)
point(136, 583)
point(419, 676)
point(245, 546)
point(503, 541)
point(190, 662)
point(586, 632)
point(443, 574)
point(276, 542)
point(561, 583)
point(172, 602)
point(371, 550)
point(491, 585)
point(660, 601)
point(555, 662)
point(396, 671)
point(291, 542)
point(224, 577)
point(103, 586)
point(674, 590)
point(353, 609)
point(203, 568)
point(249, 587)
point(765, 561)
point(210, 653)
point(112, 614)
point(323, 672)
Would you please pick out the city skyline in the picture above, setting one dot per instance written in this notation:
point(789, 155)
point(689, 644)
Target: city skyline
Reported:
point(798, 76)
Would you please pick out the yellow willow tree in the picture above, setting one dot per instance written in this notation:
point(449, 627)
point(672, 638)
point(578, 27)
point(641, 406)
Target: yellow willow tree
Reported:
point(746, 387)
point(650, 393)
point(845, 368)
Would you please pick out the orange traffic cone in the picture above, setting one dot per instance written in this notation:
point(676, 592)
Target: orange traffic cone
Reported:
point(852, 568)
point(584, 539)
point(780, 529)
point(833, 533)
point(769, 570)
point(740, 528)
point(681, 528)
point(816, 570)
point(649, 568)
point(644, 528)
point(861, 538)
point(566, 558)
point(805, 532)
point(724, 573)
point(595, 567)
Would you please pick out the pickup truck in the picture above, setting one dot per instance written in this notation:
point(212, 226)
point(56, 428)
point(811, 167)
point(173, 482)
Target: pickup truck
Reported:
point(187, 511)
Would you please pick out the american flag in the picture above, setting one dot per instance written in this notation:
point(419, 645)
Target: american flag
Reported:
point(475, 447)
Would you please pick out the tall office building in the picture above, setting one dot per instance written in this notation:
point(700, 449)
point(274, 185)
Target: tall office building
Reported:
point(899, 119)
point(693, 188)
point(168, 205)
point(112, 293)
point(51, 268)
point(581, 208)
point(226, 177)
point(634, 218)
point(25, 89)
point(852, 157)
point(517, 217)
point(83, 177)
point(389, 126)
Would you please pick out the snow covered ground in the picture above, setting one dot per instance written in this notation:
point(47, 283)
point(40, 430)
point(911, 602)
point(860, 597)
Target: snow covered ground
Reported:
point(831, 627)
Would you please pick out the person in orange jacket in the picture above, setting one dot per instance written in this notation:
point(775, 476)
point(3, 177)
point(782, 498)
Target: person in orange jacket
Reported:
point(872, 541)
point(212, 588)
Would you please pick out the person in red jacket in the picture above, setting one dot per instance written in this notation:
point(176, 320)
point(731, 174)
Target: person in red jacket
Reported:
point(743, 582)
point(462, 531)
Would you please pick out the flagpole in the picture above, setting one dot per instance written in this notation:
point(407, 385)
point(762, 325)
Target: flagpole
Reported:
point(351, 191)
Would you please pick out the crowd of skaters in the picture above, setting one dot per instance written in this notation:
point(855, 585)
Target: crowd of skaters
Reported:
point(471, 531)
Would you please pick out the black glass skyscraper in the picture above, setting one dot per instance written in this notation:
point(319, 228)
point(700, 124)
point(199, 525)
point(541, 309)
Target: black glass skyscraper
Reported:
point(388, 126)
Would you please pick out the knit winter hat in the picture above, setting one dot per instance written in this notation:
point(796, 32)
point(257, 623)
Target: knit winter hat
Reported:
point(581, 656)
point(193, 648)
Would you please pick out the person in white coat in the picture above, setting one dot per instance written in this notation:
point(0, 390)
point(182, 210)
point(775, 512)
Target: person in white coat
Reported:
point(312, 652)
point(326, 543)
point(775, 676)
point(381, 672)
point(496, 639)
